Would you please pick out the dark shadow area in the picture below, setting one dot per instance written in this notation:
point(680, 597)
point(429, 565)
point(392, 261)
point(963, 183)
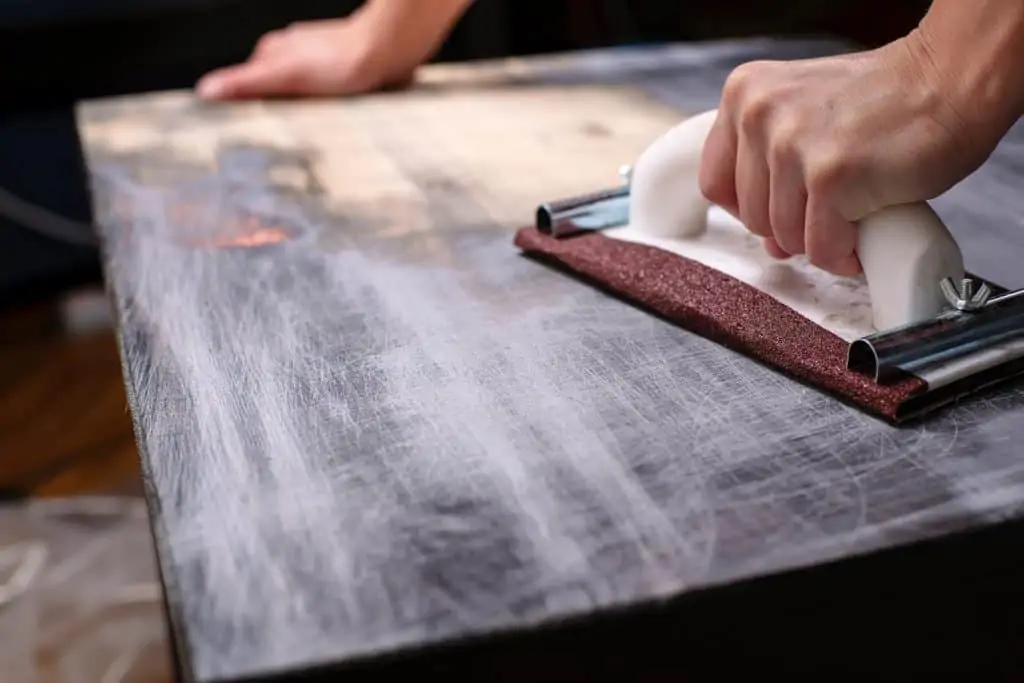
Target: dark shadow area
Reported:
point(41, 161)
point(73, 49)
point(945, 606)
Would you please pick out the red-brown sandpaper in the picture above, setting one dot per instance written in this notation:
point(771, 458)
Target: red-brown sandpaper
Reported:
point(723, 309)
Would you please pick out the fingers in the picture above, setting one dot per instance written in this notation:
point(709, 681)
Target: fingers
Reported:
point(774, 250)
point(272, 42)
point(255, 78)
point(283, 63)
point(753, 189)
point(787, 204)
point(753, 166)
point(268, 44)
point(717, 175)
point(831, 240)
point(265, 68)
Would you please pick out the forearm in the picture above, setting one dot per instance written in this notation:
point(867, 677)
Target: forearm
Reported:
point(425, 23)
point(977, 48)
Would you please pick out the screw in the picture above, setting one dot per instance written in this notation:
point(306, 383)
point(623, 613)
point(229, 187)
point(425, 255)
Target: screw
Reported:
point(965, 297)
point(626, 174)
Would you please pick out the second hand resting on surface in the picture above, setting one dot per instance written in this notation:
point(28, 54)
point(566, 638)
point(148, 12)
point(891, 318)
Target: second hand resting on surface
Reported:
point(800, 151)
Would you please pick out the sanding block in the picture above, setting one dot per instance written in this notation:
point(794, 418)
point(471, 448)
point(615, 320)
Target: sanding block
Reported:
point(910, 334)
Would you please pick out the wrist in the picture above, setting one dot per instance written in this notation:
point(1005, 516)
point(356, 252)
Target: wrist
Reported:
point(973, 52)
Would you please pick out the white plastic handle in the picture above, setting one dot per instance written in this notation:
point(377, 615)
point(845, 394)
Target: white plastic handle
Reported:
point(905, 250)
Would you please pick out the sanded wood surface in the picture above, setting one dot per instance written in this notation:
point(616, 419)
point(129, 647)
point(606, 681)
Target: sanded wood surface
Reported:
point(368, 424)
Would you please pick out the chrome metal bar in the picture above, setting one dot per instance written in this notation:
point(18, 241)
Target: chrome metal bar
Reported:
point(948, 348)
point(594, 211)
point(945, 373)
point(978, 378)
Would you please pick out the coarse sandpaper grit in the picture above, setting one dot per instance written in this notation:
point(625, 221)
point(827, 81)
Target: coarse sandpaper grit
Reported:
point(723, 309)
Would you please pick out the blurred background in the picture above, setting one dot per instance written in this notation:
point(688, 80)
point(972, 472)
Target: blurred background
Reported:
point(56, 52)
point(63, 49)
point(64, 425)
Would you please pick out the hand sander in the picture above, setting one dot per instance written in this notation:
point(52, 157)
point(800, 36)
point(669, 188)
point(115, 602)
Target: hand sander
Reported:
point(912, 333)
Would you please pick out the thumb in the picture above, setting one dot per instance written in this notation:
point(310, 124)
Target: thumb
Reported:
point(250, 79)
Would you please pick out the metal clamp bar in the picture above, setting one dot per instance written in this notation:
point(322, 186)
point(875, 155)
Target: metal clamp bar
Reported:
point(585, 213)
point(595, 211)
point(949, 348)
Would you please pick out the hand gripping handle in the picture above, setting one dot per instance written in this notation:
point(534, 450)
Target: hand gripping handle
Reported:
point(905, 250)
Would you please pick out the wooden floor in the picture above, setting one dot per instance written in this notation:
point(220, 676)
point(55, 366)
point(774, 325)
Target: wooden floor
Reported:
point(65, 430)
point(64, 422)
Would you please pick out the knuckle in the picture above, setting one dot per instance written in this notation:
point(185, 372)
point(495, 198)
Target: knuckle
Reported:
point(739, 82)
point(732, 91)
point(755, 111)
point(826, 173)
point(748, 94)
point(784, 147)
point(268, 39)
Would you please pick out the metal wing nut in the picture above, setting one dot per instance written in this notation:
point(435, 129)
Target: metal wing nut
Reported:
point(963, 296)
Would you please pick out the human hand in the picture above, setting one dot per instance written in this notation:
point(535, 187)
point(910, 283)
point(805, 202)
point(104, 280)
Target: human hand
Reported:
point(802, 150)
point(336, 57)
point(378, 47)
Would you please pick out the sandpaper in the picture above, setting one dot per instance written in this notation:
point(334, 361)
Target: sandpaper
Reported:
point(723, 309)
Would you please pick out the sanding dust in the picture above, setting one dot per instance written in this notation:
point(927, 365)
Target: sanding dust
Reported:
point(840, 305)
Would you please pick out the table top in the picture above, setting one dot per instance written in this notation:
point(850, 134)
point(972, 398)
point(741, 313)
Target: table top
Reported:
point(367, 423)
